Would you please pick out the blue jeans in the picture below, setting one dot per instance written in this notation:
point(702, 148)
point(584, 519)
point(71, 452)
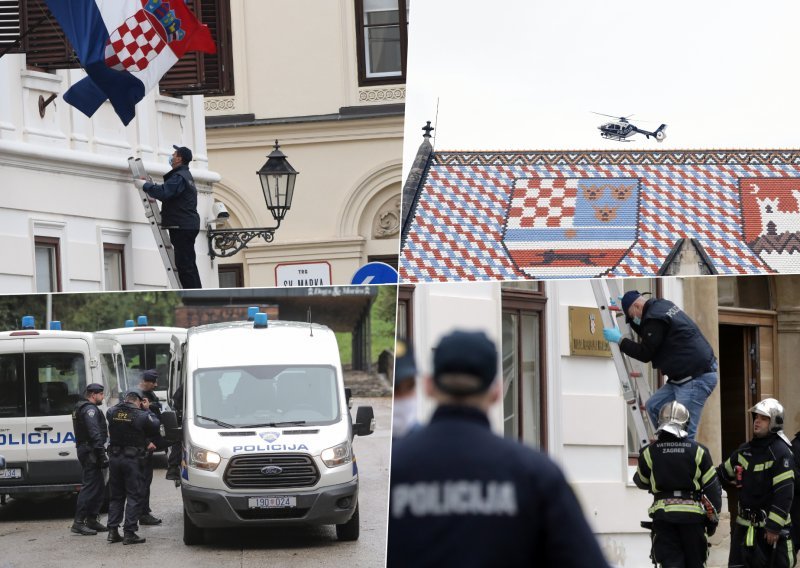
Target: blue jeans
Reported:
point(692, 394)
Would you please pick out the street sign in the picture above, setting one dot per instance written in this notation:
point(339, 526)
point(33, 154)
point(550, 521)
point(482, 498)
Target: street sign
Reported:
point(303, 274)
point(375, 273)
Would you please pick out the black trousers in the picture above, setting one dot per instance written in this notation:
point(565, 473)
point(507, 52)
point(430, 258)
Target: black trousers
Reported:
point(175, 454)
point(125, 485)
point(185, 258)
point(761, 553)
point(90, 498)
point(147, 480)
point(679, 545)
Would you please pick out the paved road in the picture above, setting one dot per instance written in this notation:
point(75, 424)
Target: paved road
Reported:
point(38, 534)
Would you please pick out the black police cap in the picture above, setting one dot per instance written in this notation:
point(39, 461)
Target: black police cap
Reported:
point(95, 387)
point(468, 354)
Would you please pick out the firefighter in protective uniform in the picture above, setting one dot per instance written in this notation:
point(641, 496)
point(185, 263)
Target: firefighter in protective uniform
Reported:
point(763, 471)
point(91, 433)
point(463, 496)
point(129, 427)
point(680, 474)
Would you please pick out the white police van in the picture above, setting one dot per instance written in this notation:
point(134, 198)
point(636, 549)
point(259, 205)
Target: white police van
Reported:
point(266, 428)
point(43, 373)
point(147, 347)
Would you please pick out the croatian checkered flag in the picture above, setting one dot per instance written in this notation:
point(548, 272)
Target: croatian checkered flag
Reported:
point(125, 47)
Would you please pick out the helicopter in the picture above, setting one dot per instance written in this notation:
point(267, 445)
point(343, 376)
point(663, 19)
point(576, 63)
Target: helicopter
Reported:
point(622, 129)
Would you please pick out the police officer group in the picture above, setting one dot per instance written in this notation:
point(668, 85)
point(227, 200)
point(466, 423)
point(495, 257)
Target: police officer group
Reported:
point(121, 442)
point(463, 496)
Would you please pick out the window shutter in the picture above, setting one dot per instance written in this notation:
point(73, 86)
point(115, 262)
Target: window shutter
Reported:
point(9, 23)
point(46, 47)
point(202, 73)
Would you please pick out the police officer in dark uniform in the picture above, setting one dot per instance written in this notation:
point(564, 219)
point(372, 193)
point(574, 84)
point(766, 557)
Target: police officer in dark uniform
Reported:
point(129, 428)
point(91, 433)
point(679, 473)
point(763, 470)
point(463, 496)
point(673, 343)
point(176, 450)
point(151, 404)
point(178, 196)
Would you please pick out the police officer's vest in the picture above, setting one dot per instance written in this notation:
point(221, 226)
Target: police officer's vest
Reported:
point(684, 351)
point(79, 422)
point(181, 210)
point(122, 430)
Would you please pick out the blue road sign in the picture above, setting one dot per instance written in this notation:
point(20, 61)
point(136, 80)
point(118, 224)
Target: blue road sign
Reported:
point(375, 273)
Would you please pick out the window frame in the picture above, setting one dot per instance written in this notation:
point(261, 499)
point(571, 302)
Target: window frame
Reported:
point(529, 302)
point(363, 79)
point(55, 244)
point(237, 269)
point(120, 248)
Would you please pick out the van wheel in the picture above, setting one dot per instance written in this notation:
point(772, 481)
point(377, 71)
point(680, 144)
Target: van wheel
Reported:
point(192, 534)
point(349, 530)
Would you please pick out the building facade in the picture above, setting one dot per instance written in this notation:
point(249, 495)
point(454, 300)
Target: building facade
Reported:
point(327, 81)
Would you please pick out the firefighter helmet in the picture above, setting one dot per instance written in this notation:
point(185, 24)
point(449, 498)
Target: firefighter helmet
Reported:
point(673, 418)
point(773, 410)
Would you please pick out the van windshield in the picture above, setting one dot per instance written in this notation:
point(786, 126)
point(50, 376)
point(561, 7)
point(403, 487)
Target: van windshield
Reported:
point(41, 384)
point(243, 396)
point(143, 356)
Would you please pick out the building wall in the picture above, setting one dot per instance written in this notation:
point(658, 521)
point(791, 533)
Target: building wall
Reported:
point(66, 176)
point(298, 83)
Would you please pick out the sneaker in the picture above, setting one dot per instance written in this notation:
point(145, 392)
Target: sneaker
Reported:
point(81, 529)
point(95, 525)
point(113, 535)
point(173, 473)
point(149, 520)
point(132, 538)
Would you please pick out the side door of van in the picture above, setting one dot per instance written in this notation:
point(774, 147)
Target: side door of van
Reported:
point(56, 372)
point(13, 422)
point(175, 388)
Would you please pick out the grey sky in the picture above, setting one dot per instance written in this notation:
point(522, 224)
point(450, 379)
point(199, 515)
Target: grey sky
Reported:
point(518, 74)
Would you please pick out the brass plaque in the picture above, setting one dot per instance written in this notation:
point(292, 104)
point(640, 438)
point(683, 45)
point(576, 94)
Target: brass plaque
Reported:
point(586, 333)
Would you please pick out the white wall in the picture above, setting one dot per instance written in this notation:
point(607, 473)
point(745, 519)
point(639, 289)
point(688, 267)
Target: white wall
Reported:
point(66, 175)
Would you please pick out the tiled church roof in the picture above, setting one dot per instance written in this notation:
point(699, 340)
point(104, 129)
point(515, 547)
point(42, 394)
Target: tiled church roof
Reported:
point(521, 215)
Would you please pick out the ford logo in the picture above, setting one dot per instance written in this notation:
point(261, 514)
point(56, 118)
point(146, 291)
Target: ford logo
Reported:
point(271, 470)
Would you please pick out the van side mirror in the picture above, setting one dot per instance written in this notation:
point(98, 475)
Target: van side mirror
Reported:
point(2, 462)
point(365, 421)
point(348, 397)
point(172, 430)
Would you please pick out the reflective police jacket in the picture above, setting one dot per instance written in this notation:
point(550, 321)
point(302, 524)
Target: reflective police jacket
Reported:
point(462, 496)
point(767, 481)
point(671, 341)
point(89, 425)
point(178, 196)
point(130, 426)
point(677, 471)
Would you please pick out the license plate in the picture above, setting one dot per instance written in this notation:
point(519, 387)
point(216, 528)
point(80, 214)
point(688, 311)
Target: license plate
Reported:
point(13, 473)
point(274, 502)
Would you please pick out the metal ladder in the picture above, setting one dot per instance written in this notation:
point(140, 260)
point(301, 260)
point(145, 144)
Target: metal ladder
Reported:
point(153, 215)
point(632, 377)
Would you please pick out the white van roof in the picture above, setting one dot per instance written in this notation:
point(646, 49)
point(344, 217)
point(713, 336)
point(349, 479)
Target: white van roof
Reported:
point(281, 342)
point(53, 334)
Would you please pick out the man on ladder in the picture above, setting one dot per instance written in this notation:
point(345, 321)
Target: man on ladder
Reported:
point(672, 343)
point(178, 196)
